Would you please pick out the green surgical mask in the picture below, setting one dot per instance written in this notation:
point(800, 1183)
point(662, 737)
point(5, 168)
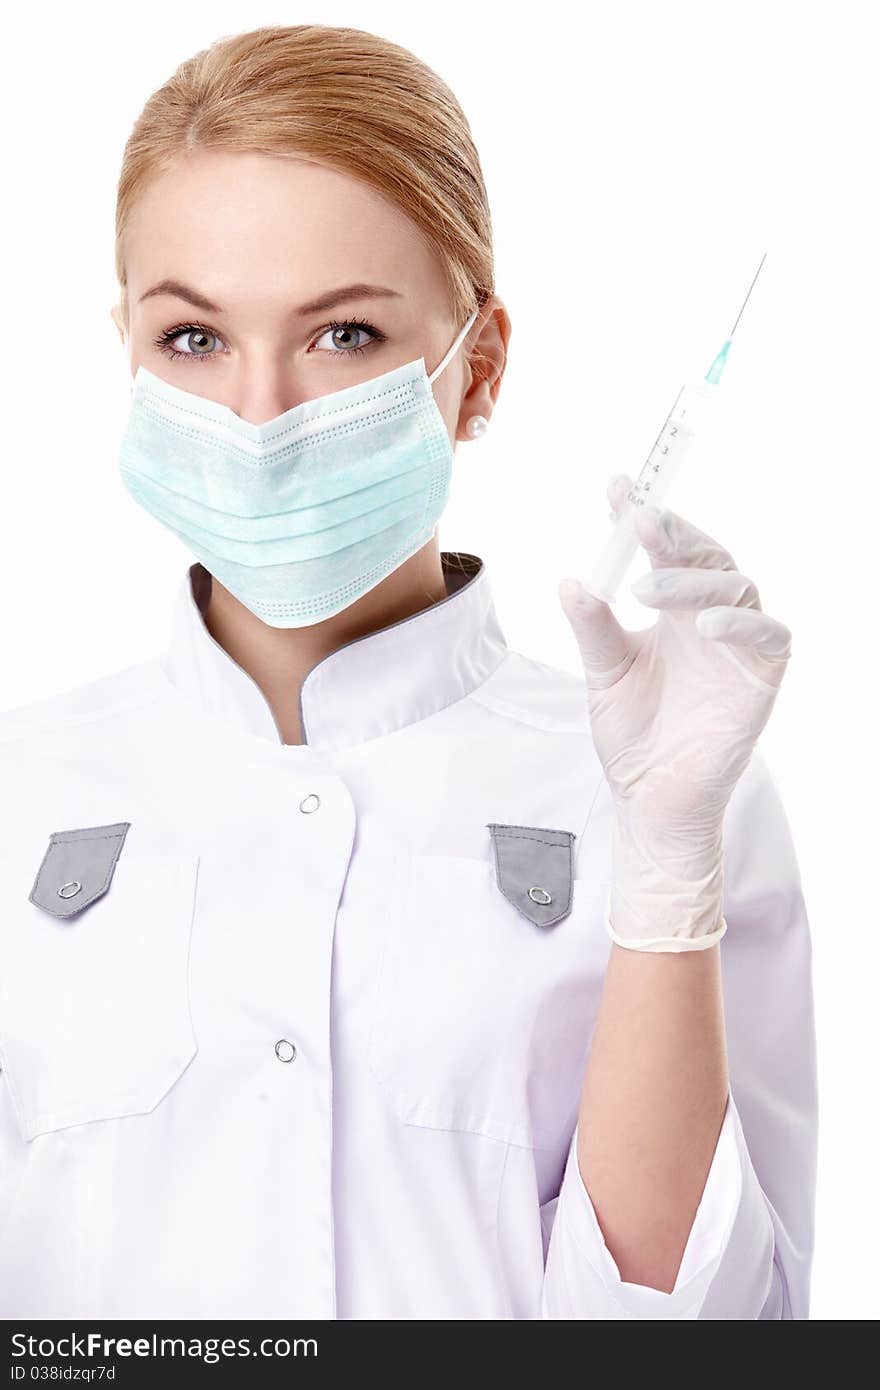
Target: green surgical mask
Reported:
point(300, 516)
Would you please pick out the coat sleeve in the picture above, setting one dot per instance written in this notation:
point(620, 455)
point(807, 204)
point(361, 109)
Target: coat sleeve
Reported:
point(749, 1251)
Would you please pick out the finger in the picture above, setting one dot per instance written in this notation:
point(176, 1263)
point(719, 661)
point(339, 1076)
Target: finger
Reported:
point(618, 487)
point(695, 588)
point(747, 627)
point(670, 539)
point(604, 644)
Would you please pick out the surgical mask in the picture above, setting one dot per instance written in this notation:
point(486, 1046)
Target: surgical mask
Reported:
point(300, 516)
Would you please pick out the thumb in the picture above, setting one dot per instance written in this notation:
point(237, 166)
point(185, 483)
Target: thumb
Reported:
point(604, 644)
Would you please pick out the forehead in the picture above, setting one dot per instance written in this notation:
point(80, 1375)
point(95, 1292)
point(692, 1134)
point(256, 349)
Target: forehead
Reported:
point(273, 226)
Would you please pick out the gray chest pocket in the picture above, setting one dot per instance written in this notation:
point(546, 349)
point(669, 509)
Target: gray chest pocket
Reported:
point(534, 869)
point(487, 987)
point(95, 1018)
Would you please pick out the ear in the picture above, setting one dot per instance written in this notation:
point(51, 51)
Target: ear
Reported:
point(487, 361)
point(116, 315)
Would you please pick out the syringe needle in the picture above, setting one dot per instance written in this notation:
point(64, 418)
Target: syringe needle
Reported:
point(746, 300)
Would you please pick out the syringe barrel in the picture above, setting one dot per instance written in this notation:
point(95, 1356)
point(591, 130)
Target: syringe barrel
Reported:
point(615, 558)
point(650, 487)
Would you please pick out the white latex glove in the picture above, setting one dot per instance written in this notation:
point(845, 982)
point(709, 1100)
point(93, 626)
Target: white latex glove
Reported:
point(675, 710)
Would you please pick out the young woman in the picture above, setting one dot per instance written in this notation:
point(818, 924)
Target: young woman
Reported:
point(355, 965)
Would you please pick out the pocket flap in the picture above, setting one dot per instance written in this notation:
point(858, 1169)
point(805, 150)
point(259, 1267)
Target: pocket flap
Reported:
point(534, 869)
point(77, 868)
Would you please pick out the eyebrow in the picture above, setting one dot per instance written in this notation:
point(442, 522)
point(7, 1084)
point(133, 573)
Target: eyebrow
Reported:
point(314, 306)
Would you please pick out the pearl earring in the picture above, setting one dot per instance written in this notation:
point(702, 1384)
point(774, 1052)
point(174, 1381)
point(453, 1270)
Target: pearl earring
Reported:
point(477, 426)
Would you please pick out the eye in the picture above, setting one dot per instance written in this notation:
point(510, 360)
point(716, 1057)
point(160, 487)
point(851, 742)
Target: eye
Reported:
point(192, 342)
point(195, 341)
point(341, 335)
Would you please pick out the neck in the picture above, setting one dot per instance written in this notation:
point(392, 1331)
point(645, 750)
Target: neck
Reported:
point(278, 659)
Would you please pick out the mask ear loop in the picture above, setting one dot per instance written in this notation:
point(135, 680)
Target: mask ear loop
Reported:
point(455, 346)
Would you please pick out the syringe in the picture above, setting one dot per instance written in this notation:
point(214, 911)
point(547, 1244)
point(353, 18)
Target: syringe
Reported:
point(651, 486)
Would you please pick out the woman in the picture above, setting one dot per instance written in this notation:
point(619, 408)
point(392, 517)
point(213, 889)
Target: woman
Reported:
point(355, 965)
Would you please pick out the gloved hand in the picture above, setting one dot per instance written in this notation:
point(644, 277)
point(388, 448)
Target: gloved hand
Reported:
point(675, 710)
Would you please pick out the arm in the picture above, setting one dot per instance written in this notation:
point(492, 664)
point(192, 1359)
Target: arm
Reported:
point(653, 1102)
point(676, 711)
point(749, 1250)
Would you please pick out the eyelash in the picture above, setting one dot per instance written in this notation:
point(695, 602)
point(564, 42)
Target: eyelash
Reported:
point(163, 342)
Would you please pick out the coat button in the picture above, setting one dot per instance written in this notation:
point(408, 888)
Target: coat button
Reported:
point(309, 803)
point(540, 895)
point(284, 1050)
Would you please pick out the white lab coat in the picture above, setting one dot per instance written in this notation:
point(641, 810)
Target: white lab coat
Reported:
point(303, 1057)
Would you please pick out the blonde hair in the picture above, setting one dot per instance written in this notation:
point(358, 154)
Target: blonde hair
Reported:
point(345, 97)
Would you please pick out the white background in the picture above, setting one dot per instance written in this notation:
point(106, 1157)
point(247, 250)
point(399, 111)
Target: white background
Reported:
point(640, 158)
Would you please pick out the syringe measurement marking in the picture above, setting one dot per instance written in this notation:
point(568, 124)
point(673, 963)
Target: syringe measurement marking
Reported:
point(650, 466)
point(668, 430)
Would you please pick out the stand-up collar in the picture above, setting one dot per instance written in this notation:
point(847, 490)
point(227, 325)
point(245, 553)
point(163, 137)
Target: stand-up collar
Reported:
point(371, 686)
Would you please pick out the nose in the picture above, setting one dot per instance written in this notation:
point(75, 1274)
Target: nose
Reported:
point(264, 392)
point(260, 408)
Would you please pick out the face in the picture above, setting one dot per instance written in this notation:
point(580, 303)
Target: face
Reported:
point(262, 244)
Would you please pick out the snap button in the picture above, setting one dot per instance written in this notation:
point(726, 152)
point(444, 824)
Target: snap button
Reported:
point(74, 887)
point(310, 803)
point(284, 1050)
point(540, 895)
